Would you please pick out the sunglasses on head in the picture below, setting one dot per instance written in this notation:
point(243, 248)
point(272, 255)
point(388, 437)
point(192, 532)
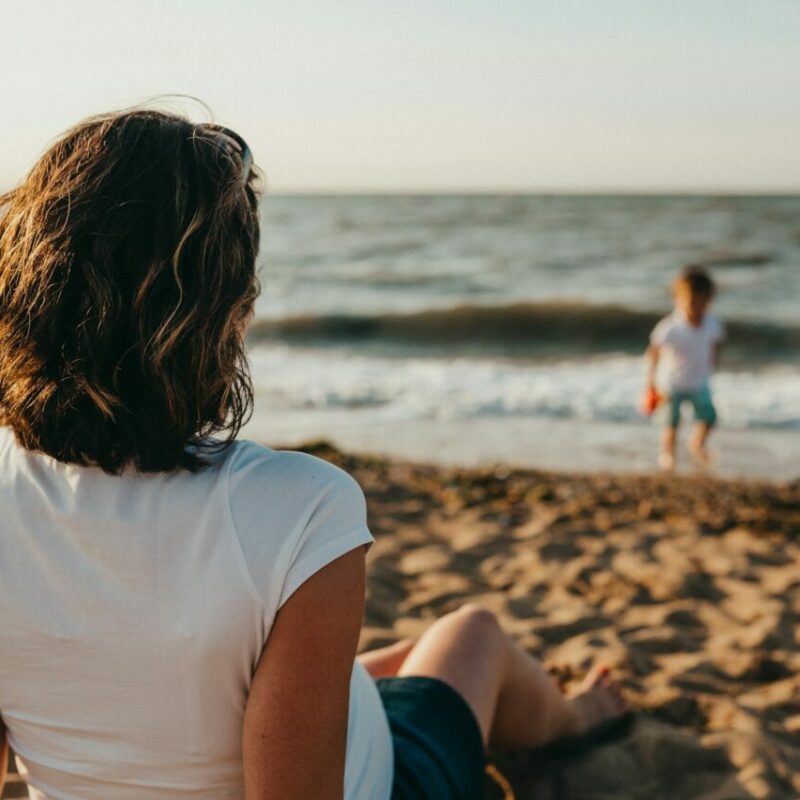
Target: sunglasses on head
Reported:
point(234, 144)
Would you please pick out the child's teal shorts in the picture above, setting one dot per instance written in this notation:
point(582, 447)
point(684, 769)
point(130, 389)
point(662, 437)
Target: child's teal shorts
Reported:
point(700, 400)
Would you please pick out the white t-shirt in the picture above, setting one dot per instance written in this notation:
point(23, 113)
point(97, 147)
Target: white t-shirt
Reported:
point(134, 608)
point(688, 351)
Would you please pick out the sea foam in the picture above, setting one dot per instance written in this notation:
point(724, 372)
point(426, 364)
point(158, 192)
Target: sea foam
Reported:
point(599, 389)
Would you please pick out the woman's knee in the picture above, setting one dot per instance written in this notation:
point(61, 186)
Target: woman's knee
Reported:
point(471, 628)
point(474, 622)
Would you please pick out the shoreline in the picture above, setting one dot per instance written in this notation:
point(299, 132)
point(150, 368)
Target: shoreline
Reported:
point(557, 445)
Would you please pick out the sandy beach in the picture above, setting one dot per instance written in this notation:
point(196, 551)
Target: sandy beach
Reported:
point(689, 588)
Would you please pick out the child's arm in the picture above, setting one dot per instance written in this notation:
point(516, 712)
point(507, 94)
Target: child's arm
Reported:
point(652, 354)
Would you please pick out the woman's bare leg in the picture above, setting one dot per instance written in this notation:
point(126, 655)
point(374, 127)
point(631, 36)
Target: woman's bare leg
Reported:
point(516, 703)
point(384, 662)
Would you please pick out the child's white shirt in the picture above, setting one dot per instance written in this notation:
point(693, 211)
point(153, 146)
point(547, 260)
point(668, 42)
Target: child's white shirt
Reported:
point(688, 350)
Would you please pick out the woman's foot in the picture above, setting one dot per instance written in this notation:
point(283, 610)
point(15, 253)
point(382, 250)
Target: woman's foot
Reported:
point(598, 701)
point(666, 461)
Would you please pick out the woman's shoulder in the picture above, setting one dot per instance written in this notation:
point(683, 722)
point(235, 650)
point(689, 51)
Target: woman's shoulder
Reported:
point(290, 487)
point(293, 513)
point(256, 463)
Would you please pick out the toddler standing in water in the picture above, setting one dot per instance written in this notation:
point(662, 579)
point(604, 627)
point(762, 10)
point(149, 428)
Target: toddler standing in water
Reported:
point(689, 340)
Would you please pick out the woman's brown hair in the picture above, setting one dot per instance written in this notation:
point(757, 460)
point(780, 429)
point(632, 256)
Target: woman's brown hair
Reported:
point(127, 269)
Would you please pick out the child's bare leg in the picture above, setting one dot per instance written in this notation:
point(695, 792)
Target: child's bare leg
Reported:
point(384, 662)
point(516, 703)
point(697, 442)
point(669, 435)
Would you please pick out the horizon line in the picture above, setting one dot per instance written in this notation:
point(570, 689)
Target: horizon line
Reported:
point(543, 191)
point(478, 191)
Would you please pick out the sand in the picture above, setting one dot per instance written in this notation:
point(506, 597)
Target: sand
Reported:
point(688, 587)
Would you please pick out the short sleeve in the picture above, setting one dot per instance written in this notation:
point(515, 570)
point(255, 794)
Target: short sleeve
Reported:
point(660, 334)
point(337, 525)
point(293, 514)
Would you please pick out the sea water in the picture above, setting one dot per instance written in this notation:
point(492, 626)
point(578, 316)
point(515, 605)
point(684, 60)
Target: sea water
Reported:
point(399, 322)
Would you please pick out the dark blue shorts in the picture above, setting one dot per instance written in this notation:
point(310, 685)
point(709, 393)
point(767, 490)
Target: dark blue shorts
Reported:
point(438, 747)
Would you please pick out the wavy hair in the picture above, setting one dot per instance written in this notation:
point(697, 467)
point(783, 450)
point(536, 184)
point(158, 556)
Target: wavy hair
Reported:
point(127, 269)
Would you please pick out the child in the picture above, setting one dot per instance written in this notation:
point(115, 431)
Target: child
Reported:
point(689, 339)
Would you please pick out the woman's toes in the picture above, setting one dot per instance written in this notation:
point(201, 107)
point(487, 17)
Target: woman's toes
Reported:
point(600, 701)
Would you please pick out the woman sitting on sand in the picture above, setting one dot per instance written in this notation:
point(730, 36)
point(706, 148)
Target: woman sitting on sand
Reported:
point(180, 610)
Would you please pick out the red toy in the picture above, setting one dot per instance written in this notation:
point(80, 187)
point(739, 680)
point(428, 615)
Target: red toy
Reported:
point(650, 400)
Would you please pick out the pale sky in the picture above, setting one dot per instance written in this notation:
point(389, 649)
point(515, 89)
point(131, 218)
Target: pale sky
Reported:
point(427, 95)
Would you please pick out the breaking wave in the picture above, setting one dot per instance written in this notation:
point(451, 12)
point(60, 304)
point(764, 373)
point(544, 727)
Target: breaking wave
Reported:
point(516, 330)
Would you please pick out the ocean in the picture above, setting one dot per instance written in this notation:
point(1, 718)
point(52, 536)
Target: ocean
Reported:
point(510, 328)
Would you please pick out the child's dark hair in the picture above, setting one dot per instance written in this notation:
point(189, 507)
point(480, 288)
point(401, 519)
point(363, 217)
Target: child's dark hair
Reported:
point(696, 280)
point(127, 267)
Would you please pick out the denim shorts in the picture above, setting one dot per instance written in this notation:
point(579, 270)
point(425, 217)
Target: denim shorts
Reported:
point(438, 747)
point(700, 400)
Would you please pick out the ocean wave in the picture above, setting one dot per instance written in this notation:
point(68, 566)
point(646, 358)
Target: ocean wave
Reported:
point(721, 259)
point(516, 330)
point(604, 389)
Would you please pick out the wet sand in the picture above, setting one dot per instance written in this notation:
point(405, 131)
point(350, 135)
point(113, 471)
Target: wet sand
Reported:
point(564, 445)
point(689, 588)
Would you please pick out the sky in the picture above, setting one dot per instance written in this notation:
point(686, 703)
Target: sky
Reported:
point(428, 95)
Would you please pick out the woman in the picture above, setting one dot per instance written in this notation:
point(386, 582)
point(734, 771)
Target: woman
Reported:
point(180, 610)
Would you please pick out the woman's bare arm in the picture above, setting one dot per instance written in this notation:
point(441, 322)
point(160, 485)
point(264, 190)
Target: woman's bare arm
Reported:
point(295, 725)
